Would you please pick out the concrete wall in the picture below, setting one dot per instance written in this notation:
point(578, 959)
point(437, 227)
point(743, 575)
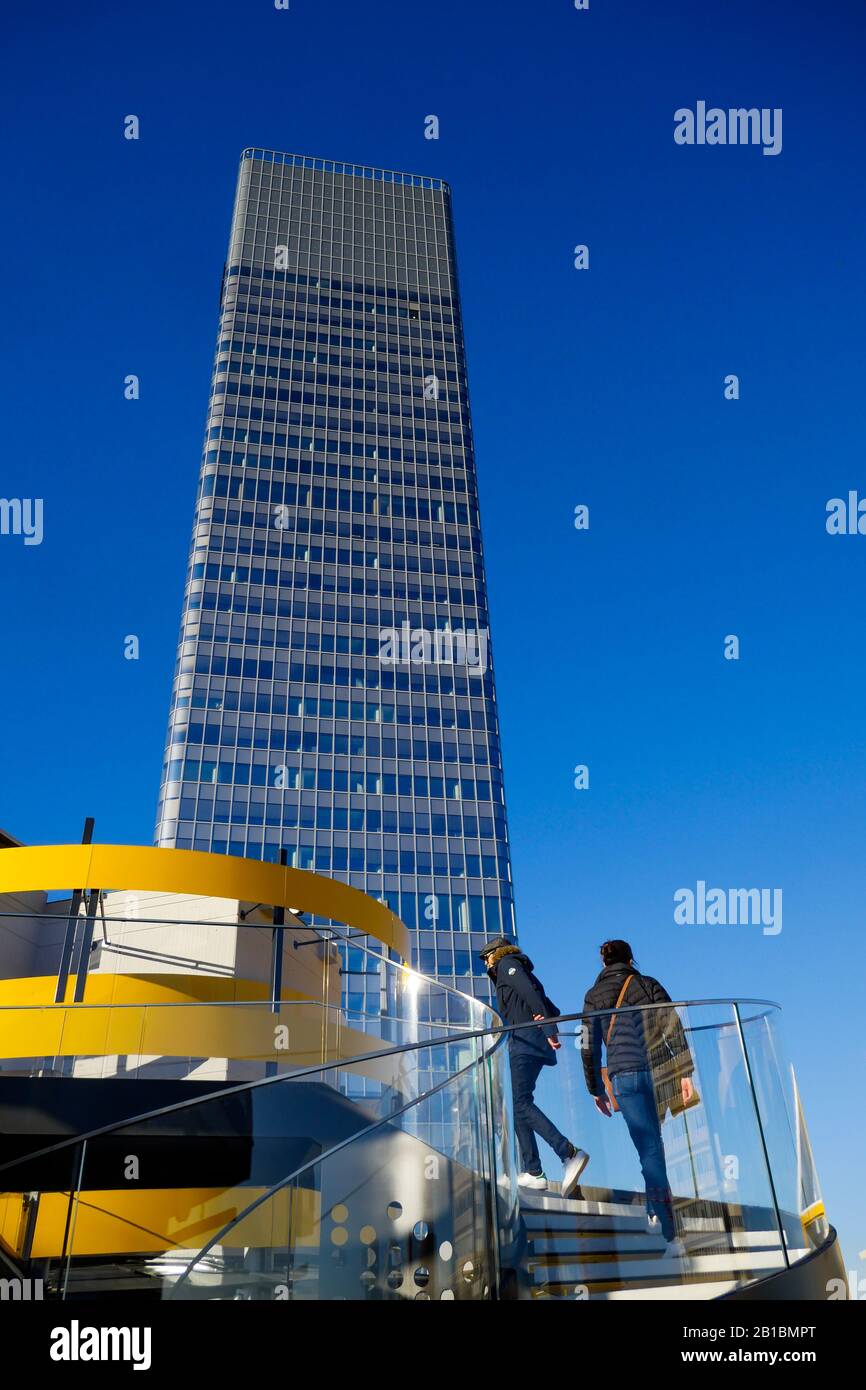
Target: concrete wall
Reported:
point(179, 934)
point(29, 945)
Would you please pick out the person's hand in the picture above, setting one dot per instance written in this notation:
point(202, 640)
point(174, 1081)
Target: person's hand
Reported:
point(687, 1089)
point(602, 1105)
point(554, 1041)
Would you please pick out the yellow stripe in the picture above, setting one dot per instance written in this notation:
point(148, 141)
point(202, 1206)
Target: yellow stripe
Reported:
point(153, 1221)
point(164, 988)
point(812, 1213)
point(143, 1016)
point(36, 868)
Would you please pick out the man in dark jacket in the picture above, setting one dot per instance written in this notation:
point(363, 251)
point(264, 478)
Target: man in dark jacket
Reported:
point(520, 998)
point(648, 1060)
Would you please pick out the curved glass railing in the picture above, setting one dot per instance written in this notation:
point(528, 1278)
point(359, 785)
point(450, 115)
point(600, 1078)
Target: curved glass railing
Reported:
point(743, 1207)
point(349, 999)
point(328, 1182)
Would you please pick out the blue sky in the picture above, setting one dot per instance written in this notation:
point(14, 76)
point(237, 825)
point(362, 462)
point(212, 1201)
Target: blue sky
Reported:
point(605, 387)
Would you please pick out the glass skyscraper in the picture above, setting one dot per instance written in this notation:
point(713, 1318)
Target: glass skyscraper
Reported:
point(334, 691)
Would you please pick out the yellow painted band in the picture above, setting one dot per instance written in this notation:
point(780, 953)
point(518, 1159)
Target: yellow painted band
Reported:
point(36, 868)
point(812, 1213)
point(176, 1016)
point(153, 1221)
point(145, 990)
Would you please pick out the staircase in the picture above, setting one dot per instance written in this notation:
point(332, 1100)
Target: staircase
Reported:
point(597, 1246)
point(370, 1155)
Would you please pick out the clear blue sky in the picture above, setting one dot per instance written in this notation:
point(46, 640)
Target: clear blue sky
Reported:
point(606, 387)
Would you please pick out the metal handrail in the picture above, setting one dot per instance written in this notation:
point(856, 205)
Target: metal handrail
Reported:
point(355, 942)
point(471, 998)
point(228, 1004)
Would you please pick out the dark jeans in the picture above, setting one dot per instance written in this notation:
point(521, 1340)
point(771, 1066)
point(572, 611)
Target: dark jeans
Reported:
point(636, 1099)
point(528, 1119)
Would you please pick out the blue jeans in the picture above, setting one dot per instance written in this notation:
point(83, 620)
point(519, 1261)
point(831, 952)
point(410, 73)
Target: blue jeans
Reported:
point(636, 1099)
point(528, 1119)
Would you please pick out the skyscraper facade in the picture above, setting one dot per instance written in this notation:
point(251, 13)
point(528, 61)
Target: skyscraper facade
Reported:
point(334, 690)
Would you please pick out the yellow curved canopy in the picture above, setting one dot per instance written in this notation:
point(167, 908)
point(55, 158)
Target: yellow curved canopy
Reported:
point(36, 868)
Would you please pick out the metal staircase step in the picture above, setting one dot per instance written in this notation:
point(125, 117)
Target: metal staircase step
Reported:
point(569, 1223)
point(552, 1202)
point(702, 1290)
point(621, 1268)
point(596, 1246)
point(576, 1245)
point(576, 1241)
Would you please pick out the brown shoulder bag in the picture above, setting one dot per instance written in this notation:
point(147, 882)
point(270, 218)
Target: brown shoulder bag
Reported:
point(604, 1073)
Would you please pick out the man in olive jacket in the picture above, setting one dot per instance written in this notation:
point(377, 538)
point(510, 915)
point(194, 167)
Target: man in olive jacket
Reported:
point(648, 1064)
point(637, 1037)
point(520, 998)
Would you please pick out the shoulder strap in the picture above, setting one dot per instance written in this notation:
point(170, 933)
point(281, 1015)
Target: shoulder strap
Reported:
point(622, 995)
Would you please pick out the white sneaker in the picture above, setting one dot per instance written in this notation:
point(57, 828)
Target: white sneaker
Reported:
point(654, 1226)
point(572, 1171)
point(537, 1182)
point(674, 1250)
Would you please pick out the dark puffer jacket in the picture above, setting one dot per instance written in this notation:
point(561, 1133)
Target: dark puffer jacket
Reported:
point(519, 997)
point(653, 1038)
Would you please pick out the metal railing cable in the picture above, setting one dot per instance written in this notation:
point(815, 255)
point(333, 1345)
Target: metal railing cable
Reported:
point(338, 938)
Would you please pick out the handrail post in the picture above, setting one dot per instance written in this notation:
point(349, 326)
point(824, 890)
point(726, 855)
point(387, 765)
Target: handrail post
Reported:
point(483, 1063)
point(764, 1148)
point(90, 910)
point(69, 1228)
point(71, 926)
point(277, 948)
point(277, 963)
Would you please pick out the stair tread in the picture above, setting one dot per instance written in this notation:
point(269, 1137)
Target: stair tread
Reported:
point(633, 1239)
point(699, 1290)
point(659, 1267)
